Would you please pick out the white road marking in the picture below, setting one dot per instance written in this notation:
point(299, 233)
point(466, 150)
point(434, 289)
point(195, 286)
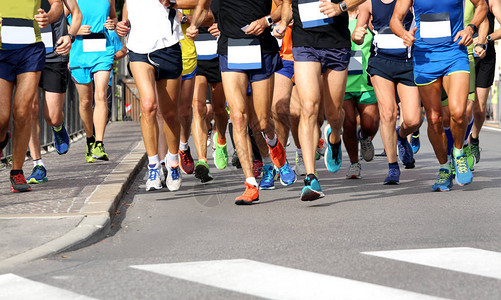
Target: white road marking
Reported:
point(16, 287)
point(463, 259)
point(276, 282)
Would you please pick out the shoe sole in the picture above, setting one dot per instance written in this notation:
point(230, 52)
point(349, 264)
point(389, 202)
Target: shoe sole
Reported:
point(35, 181)
point(287, 184)
point(353, 177)
point(154, 188)
point(104, 158)
point(19, 191)
point(312, 196)
point(244, 202)
point(202, 173)
point(392, 182)
point(267, 188)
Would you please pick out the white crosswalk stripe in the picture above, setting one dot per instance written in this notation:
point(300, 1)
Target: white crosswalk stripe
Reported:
point(466, 260)
point(16, 287)
point(276, 282)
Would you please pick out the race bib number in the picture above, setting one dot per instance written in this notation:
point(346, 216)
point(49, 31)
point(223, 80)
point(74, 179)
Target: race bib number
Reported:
point(356, 63)
point(206, 45)
point(94, 42)
point(435, 28)
point(386, 39)
point(244, 54)
point(47, 39)
point(310, 15)
point(16, 33)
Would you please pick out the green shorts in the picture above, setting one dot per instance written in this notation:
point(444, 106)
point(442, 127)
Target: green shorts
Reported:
point(368, 97)
point(471, 93)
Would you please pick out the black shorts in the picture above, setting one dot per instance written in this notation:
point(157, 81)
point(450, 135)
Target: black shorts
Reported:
point(484, 70)
point(168, 62)
point(54, 77)
point(210, 70)
point(396, 71)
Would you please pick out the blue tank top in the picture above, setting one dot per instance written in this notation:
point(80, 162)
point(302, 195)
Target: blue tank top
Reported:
point(438, 22)
point(385, 43)
point(90, 50)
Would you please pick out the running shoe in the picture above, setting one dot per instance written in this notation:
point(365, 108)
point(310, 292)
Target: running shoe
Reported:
point(444, 181)
point(187, 163)
point(202, 171)
point(38, 175)
point(174, 178)
point(250, 196)
point(88, 154)
point(154, 181)
point(98, 152)
point(366, 147)
point(299, 168)
point(393, 177)
point(475, 150)
point(470, 159)
point(220, 155)
point(354, 171)
point(463, 172)
point(333, 155)
point(164, 175)
point(320, 149)
point(235, 161)
point(257, 168)
point(269, 176)
point(382, 154)
point(312, 189)
point(277, 154)
point(61, 140)
point(287, 175)
point(415, 143)
point(405, 152)
point(209, 137)
point(19, 184)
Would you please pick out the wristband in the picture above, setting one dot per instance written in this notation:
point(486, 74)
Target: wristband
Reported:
point(343, 6)
point(269, 20)
point(473, 27)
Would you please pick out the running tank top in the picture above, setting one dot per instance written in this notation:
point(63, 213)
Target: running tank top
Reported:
point(385, 43)
point(357, 75)
point(56, 30)
point(18, 28)
point(187, 45)
point(438, 22)
point(90, 50)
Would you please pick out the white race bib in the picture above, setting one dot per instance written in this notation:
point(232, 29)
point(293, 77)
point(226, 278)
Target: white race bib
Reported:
point(389, 41)
point(206, 46)
point(47, 39)
point(16, 32)
point(244, 54)
point(435, 28)
point(94, 42)
point(310, 15)
point(356, 66)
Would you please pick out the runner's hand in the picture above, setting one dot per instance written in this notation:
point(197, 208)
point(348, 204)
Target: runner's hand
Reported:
point(110, 24)
point(63, 45)
point(465, 36)
point(409, 37)
point(192, 32)
point(330, 9)
point(257, 27)
point(279, 31)
point(359, 33)
point(42, 18)
point(479, 51)
point(214, 30)
point(123, 28)
point(84, 30)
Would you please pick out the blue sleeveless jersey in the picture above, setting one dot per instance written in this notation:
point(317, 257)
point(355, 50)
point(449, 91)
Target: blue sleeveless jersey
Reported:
point(94, 13)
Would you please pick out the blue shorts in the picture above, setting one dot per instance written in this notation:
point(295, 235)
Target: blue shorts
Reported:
point(426, 72)
point(396, 71)
point(27, 59)
point(190, 75)
point(336, 59)
point(168, 62)
point(270, 63)
point(86, 75)
point(288, 69)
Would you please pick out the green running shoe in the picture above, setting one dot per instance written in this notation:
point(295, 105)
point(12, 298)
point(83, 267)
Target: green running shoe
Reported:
point(470, 159)
point(88, 153)
point(98, 152)
point(220, 155)
point(202, 171)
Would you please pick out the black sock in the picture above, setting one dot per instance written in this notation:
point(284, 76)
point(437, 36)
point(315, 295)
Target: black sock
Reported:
point(416, 133)
point(473, 140)
point(311, 176)
point(91, 140)
point(99, 143)
point(5, 142)
point(15, 172)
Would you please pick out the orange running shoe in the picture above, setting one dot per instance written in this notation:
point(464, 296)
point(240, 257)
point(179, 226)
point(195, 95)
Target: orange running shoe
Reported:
point(251, 195)
point(187, 164)
point(277, 155)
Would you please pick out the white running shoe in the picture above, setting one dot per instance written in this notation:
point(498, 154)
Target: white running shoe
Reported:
point(174, 178)
point(299, 168)
point(354, 171)
point(154, 181)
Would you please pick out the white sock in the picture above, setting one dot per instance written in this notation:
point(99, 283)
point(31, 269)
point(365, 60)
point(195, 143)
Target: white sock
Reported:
point(38, 162)
point(172, 159)
point(153, 160)
point(183, 146)
point(299, 151)
point(267, 161)
point(271, 142)
point(251, 180)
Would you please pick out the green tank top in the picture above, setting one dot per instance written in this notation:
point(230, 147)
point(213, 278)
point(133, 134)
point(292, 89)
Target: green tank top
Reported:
point(357, 82)
point(469, 10)
point(18, 28)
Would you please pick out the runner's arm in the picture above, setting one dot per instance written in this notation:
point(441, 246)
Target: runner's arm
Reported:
point(199, 15)
point(495, 6)
point(64, 42)
point(396, 25)
point(123, 27)
point(364, 15)
point(332, 9)
point(285, 19)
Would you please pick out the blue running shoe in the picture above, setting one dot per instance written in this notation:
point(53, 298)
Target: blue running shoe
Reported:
point(287, 175)
point(38, 175)
point(311, 190)
point(268, 180)
point(444, 181)
point(463, 173)
point(405, 151)
point(415, 143)
point(393, 177)
point(61, 140)
point(333, 155)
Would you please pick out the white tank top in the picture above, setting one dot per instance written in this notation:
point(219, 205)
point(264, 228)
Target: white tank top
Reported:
point(152, 26)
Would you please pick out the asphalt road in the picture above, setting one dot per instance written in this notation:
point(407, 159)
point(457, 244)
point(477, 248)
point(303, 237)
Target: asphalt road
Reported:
point(196, 244)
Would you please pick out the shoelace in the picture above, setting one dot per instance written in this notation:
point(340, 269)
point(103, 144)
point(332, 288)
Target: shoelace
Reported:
point(249, 192)
point(285, 169)
point(267, 173)
point(19, 179)
point(187, 159)
point(174, 173)
point(153, 173)
point(442, 177)
point(38, 169)
point(461, 164)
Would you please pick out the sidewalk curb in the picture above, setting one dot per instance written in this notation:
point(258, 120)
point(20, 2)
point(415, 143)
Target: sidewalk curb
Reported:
point(97, 212)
